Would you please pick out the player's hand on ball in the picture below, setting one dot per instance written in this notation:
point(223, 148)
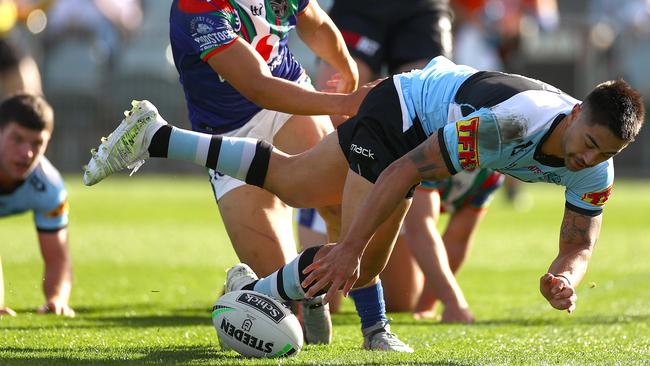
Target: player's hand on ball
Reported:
point(339, 268)
point(559, 292)
point(58, 308)
point(7, 311)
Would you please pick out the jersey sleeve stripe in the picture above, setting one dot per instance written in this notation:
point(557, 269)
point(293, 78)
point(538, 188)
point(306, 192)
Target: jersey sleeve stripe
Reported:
point(205, 56)
point(50, 230)
point(445, 153)
point(583, 211)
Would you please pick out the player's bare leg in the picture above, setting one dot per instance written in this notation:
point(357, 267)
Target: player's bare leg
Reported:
point(377, 336)
point(316, 318)
point(314, 178)
point(309, 238)
point(259, 227)
point(449, 250)
point(402, 279)
point(258, 223)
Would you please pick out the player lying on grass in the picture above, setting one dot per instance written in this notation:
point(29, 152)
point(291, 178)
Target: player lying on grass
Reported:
point(423, 263)
point(424, 125)
point(29, 182)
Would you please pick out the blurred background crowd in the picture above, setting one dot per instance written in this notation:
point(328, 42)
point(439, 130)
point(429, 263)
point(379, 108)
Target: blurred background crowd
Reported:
point(91, 57)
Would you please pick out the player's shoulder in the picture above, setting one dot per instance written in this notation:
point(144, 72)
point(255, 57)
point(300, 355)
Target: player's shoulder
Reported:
point(510, 94)
point(593, 179)
point(201, 18)
point(589, 189)
point(46, 179)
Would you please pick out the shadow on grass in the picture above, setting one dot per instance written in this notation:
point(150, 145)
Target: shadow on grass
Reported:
point(131, 315)
point(155, 321)
point(62, 356)
point(175, 356)
point(536, 322)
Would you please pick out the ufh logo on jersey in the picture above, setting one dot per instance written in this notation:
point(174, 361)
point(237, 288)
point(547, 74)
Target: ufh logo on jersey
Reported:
point(467, 132)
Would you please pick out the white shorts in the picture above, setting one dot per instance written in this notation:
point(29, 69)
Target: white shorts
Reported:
point(263, 126)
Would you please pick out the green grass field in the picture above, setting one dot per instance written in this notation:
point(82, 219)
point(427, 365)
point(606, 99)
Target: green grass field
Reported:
point(150, 255)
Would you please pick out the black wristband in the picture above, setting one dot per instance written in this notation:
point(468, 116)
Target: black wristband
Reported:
point(565, 277)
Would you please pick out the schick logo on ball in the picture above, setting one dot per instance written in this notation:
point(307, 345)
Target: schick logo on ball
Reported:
point(262, 304)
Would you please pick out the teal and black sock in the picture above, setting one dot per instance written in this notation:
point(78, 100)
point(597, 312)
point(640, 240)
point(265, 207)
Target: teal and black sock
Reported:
point(285, 283)
point(245, 159)
point(160, 142)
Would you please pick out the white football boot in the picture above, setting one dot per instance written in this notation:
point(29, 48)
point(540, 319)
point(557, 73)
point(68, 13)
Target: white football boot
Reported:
point(379, 338)
point(127, 146)
point(239, 276)
point(317, 320)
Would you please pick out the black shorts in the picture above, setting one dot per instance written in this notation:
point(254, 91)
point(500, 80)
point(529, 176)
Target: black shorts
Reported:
point(394, 33)
point(373, 139)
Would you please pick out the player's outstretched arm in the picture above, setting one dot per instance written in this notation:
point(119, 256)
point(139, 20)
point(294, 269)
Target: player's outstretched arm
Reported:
point(578, 237)
point(425, 161)
point(245, 70)
point(57, 282)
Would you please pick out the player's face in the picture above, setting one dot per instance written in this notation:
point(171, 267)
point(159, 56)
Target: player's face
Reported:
point(588, 144)
point(20, 150)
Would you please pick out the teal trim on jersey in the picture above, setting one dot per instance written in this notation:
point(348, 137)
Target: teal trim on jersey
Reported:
point(427, 93)
point(280, 26)
point(247, 30)
point(273, 19)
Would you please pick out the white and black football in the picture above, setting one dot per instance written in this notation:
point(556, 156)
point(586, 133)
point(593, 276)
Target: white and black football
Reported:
point(256, 325)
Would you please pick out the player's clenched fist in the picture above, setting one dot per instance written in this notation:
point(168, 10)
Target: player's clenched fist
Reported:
point(558, 291)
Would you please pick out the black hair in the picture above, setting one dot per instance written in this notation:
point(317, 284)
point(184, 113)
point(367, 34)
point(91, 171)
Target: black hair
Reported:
point(27, 110)
point(618, 106)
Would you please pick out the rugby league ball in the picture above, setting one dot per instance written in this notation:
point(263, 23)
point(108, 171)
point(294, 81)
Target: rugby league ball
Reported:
point(256, 325)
